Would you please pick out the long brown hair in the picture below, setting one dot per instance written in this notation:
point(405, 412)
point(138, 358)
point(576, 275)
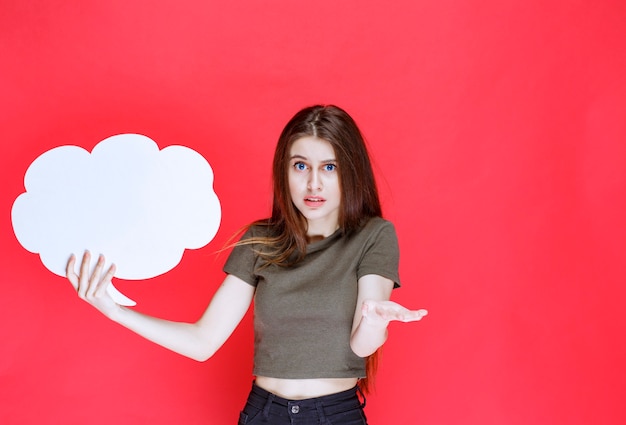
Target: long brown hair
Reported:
point(359, 195)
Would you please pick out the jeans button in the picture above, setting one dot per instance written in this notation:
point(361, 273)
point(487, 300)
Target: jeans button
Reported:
point(295, 409)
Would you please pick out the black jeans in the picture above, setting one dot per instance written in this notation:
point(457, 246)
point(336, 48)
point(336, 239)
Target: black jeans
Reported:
point(342, 408)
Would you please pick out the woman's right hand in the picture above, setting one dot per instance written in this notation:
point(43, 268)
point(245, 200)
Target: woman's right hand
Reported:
point(199, 340)
point(93, 288)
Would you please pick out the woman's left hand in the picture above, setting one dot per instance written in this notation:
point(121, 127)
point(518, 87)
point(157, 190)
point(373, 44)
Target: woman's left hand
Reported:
point(380, 313)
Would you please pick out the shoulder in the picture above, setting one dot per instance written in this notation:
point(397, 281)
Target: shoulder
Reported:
point(257, 229)
point(244, 257)
point(379, 222)
point(380, 253)
point(378, 225)
point(381, 234)
point(376, 231)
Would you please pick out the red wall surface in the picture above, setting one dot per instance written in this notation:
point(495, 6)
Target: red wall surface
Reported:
point(498, 133)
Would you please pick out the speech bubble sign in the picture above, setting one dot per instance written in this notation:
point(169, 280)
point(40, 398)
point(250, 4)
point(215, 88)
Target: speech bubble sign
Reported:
point(139, 206)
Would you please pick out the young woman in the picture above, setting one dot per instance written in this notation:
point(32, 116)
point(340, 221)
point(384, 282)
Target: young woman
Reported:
point(320, 270)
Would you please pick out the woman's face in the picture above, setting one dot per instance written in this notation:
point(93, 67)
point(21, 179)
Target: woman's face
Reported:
point(314, 184)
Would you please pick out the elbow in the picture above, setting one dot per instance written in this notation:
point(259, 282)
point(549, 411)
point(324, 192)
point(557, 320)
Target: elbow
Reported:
point(364, 347)
point(362, 351)
point(361, 354)
point(200, 358)
point(202, 354)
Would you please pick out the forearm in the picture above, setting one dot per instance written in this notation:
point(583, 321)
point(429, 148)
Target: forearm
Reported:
point(368, 337)
point(198, 340)
point(183, 338)
point(371, 331)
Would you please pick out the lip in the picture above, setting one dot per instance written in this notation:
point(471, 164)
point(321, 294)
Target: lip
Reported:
point(314, 201)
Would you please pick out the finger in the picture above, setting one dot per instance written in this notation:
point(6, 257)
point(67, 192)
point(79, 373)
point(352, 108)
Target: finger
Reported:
point(94, 279)
point(414, 316)
point(365, 308)
point(390, 309)
point(70, 271)
point(377, 316)
point(83, 278)
point(105, 281)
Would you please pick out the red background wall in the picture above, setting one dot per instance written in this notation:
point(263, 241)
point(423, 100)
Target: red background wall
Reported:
point(498, 134)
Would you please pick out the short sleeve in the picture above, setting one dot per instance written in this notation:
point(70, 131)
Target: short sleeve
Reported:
point(242, 260)
point(381, 255)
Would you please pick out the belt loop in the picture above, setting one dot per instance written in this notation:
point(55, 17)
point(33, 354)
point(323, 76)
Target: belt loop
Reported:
point(362, 396)
point(320, 412)
point(268, 404)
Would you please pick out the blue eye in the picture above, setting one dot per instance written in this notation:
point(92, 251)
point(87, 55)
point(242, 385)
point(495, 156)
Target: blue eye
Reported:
point(300, 166)
point(330, 167)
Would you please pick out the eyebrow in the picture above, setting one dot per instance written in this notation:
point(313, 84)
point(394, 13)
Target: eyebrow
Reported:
point(326, 161)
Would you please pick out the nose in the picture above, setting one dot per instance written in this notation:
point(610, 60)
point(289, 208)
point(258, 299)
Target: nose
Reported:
point(315, 182)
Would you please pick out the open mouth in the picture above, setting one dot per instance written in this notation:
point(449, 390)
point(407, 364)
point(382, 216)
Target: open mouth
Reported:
point(314, 201)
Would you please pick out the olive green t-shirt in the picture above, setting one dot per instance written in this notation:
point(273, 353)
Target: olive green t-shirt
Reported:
point(303, 313)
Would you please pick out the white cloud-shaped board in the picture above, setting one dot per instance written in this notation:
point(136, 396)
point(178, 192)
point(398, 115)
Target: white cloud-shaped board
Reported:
point(139, 206)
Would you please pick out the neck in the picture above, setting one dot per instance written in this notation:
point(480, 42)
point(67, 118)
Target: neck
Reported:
point(319, 232)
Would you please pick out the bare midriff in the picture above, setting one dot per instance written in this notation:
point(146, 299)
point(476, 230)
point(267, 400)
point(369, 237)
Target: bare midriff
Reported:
point(299, 389)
